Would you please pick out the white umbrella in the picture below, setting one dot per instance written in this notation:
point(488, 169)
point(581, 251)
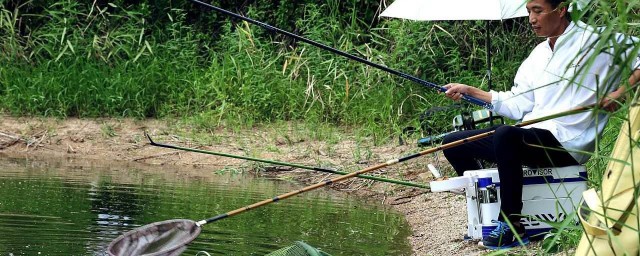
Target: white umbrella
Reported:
point(456, 9)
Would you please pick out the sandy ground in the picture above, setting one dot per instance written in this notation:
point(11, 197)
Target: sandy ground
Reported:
point(437, 220)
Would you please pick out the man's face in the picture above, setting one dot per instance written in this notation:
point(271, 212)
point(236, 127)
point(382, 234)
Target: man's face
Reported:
point(545, 20)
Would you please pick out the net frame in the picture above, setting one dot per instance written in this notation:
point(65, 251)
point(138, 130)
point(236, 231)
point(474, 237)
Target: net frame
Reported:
point(164, 238)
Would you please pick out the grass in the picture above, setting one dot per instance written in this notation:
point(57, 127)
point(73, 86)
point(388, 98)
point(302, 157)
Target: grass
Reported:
point(108, 130)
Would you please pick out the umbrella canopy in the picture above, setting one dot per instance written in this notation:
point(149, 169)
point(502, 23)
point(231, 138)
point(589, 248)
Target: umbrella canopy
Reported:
point(456, 9)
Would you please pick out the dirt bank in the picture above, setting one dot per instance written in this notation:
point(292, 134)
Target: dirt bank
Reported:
point(438, 220)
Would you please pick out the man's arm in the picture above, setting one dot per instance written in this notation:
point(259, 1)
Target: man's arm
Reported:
point(456, 91)
point(612, 101)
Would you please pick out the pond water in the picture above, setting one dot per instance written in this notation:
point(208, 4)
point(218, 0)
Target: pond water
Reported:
point(70, 208)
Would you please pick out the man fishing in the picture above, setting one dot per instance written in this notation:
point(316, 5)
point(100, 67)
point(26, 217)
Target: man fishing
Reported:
point(562, 73)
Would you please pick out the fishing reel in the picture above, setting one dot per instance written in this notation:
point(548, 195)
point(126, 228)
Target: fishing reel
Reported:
point(464, 121)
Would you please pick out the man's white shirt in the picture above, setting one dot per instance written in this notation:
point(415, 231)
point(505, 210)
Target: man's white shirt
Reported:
point(572, 75)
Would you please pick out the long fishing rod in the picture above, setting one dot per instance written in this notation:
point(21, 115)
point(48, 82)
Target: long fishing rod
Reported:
point(165, 237)
point(467, 98)
point(400, 182)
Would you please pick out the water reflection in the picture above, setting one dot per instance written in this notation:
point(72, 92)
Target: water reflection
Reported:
point(54, 208)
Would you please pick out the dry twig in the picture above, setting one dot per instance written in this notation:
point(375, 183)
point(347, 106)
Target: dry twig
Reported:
point(12, 140)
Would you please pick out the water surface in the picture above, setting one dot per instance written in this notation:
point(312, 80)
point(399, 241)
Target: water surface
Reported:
point(77, 208)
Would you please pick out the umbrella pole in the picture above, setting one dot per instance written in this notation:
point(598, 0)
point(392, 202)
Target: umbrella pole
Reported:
point(488, 47)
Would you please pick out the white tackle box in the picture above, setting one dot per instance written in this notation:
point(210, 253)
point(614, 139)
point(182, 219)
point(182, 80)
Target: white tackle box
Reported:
point(549, 194)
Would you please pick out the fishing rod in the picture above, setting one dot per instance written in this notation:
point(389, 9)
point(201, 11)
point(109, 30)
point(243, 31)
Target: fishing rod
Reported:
point(171, 237)
point(467, 98)
point(400, 182)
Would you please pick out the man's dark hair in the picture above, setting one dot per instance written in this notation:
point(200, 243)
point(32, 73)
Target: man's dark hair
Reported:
point(560, 3)
point(556, 3)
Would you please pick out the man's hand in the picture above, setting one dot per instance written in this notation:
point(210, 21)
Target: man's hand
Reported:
point(456, 91)
point(613, 101)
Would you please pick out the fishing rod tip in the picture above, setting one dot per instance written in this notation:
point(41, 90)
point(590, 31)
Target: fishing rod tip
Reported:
point(146, 134)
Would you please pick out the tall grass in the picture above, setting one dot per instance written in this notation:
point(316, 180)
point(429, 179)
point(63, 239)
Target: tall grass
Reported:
point(86, 61)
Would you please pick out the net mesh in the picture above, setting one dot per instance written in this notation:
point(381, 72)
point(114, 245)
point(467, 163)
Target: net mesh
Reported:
point(167, 238)
point(299, 248)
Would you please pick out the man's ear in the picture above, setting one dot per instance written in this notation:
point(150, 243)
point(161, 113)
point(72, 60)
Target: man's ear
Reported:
point(562, 11)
